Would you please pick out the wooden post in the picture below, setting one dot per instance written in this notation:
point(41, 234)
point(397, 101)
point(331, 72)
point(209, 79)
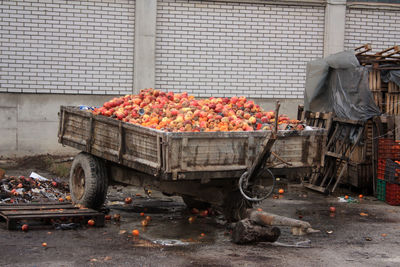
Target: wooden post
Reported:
point(269, 219)
point(246, 231)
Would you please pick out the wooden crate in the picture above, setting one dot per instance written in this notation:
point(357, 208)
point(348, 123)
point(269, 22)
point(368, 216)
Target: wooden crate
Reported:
point(363, 152)
point(315, 119)
point(393, 99)
point(379, 100)
point(360, 175)
point(375, 81)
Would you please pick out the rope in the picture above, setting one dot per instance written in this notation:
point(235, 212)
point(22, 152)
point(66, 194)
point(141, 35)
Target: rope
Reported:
point(383, 135)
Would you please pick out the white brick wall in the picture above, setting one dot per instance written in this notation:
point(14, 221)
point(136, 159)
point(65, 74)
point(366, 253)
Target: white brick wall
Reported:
point(381, 28)
point(224, 49)
point(71, 47)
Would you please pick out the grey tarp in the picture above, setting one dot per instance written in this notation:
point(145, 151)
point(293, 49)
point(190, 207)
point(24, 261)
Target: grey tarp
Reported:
point(391, 76)
point(339, 84)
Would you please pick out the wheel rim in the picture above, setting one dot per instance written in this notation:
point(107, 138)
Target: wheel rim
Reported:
point(78, 182)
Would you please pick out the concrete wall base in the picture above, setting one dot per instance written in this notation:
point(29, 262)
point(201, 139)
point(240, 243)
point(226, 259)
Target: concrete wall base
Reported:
point(29, 122)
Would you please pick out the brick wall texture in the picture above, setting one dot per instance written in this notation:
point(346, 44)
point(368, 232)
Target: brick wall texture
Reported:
point(202, 47)
point(224, 49)
point(381, 28)
point(67, 47)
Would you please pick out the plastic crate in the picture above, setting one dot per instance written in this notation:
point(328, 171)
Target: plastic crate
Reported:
point(381, 164)
point(380, 175)
point(392, 194)
point(388, 149)
point(392, 171)
point(381, 190)
point(380, 171)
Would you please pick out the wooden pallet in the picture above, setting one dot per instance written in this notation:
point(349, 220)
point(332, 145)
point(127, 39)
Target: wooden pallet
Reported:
point(375, 81)
point(13, 213)
point(384, 57)
point(378, 98)
point(339, 151)
point(315, 119)
point(393, 99)
point(386, 95)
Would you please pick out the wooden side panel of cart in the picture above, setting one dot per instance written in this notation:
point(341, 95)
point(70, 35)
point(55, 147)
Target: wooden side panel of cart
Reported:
point(184, 156)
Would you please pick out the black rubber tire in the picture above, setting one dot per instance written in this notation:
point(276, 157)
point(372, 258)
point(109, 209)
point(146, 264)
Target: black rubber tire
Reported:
point(90, 171)
point(235, 206)
point(194, 203)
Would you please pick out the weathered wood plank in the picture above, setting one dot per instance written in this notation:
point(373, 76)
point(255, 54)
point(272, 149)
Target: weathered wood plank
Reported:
point(204, 151)
point(35, 206)
point(53, 211)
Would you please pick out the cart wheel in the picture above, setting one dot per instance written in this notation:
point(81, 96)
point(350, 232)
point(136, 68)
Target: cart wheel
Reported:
point(194, 203)
point(235, 206)
point(88, 181)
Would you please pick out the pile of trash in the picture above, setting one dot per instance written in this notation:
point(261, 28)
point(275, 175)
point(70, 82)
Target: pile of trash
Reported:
point(34, 188)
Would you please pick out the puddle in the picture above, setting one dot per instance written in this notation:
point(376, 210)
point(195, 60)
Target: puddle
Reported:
point(148, 205)
point(170, 223)
point(176, 230)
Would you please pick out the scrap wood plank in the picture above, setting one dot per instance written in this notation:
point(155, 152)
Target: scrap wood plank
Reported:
point(16, 212)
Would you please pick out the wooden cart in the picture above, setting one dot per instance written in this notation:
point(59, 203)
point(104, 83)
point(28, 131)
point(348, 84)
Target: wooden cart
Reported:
point(202, 167)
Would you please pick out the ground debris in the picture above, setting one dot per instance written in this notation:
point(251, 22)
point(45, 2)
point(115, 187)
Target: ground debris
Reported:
point(26, 189)
point(66, 226)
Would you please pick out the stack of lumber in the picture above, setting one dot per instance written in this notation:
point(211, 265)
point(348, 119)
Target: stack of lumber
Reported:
point(387, 98)
point(386, 94)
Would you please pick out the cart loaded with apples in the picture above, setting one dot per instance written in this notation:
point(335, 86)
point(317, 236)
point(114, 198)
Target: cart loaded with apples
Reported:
point(224, 152)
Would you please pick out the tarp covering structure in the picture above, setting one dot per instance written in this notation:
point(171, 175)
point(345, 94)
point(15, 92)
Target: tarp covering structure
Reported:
point(391, 76)
point(339, 84)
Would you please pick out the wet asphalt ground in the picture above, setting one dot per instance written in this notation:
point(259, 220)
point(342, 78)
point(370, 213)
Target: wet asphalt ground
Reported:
point(364, 233)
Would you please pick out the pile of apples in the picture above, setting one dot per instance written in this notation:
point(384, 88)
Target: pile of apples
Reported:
point(180, 112)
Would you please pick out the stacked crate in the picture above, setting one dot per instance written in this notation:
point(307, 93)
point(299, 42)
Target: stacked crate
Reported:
point(393, 99)
point(387, 97)
point(388, 171)
point(384, 153)
point(378, 91)
point(392, 178)
point(386, 94)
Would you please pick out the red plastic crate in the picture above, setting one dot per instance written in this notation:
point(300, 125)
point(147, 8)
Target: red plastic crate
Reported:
point(388, 149)
point(392, 194)
point(382, 164)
